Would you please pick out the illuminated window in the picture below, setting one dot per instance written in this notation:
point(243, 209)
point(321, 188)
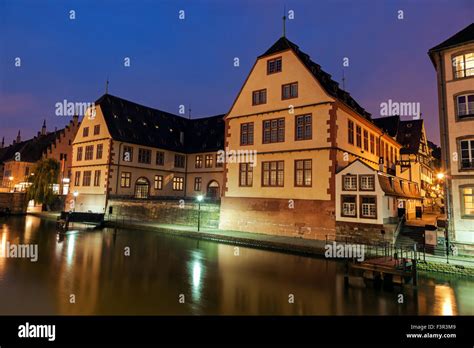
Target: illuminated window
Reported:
point(198, 162)
point(125, 179)
point(178, 183)
point(245, 174)
point(359, 136)
point(350, 132)
point(467, 201)
point(158, 182)
point(303, 173)
point(209, 161)
point(273, 173)
point(197, 183)
point(463, 65)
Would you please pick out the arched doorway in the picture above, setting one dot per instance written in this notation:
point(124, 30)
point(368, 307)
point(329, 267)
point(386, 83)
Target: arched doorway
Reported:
point(213, 190)
point(142, 188)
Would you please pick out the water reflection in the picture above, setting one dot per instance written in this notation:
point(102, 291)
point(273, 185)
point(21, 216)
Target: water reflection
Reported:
point(91, 267)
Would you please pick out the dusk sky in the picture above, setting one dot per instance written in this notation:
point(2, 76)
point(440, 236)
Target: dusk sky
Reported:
point(190, 61)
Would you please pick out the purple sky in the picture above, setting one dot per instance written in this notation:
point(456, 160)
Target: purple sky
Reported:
point(190, 61)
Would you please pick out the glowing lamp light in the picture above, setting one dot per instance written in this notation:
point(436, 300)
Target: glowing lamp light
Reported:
point(75, 194)
point(10, 178)
point(440, 176)
point(66, 181)
point(200, 198)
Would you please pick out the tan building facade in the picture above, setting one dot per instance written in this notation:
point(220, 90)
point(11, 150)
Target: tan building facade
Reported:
point(129, 151)
point(453, 60)
point(302, 128)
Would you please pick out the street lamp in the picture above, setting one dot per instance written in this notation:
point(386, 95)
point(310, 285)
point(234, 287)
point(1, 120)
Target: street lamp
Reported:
point(199, 199)
point(440, 176)
point(75, 194)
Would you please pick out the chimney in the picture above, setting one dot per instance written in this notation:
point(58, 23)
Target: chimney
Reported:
point(18, 137)
point(43, 129)
point(75, 119)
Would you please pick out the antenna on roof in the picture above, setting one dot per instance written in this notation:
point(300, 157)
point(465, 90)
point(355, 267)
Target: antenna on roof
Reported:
point(107, 85)
point(343, 81)
point(189, 111)
point(284, 21)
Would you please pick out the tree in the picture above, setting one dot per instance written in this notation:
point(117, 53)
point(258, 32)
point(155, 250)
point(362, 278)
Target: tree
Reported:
point(46, 174)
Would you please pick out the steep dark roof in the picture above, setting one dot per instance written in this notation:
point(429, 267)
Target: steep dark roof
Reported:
point(461, 37)
point(410, 136)
point(388, 124)
point(134, 123)
point(329, 85)
point(31, 150)
point(407, 133)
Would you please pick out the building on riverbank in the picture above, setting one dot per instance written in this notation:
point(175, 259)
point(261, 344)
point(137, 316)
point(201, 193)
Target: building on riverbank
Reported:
point(128, 151)
point(304, 129)
point(416, 162)
point(18, 161)
point(453, 60)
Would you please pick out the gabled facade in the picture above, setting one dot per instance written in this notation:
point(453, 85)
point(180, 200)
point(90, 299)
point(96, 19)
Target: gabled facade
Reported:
point(303, 129)
point(453, 60)
point(416, 161)
point(130, 151)
point(18, 161)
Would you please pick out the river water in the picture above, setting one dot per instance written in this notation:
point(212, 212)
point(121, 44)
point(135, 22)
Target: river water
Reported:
point(131, 272)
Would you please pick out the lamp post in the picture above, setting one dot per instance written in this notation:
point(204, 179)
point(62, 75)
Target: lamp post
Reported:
point(199, 199)
point(75, 194)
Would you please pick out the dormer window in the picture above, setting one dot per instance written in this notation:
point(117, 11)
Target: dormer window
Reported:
point(463, 65)
point(273, 65)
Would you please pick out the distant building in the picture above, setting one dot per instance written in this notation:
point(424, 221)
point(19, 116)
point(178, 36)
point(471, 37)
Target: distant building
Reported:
point(304, 129)
point(18, 161)
point(130, 151)
point(453, 60)
point(416, 162)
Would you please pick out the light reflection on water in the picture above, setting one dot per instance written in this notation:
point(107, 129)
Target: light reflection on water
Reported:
point(92, 266)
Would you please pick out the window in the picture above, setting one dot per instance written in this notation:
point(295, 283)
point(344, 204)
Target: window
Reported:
point(467, 202)
point(465, 105)
point(274, 131)
point(367, 182)
point(359, 136)
point(303, 127)
point(303, 173)
point(246, 133)
point(128, 153)
point(467, 154)
point(381, 149)
point(349, 182)
point(289, 91)
point(273, 173)
point(197, 183)
point(79, 154)
point(391, 155)
point(97, 178)
point(85, 132)
point(179, 161)
point(259, 97)
point(158, 182)
point(366, 140)
point(144, 156)
point(96, 129)
point(198, 161)
point(178, 183)
point(463, 65)
point(125, 179)
point(348, 206)
point(209, 161)
point(160, 158)
point(89, 153)
point(77, 178)
point(368, 207)
point(219, 164)
point(372, 143)
point(274, 65)
point(100, 148)
point(86, 178)
point(63, 156)
point(245, 174)
point(377, 148)
point(142, 188)
point(350, 132)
